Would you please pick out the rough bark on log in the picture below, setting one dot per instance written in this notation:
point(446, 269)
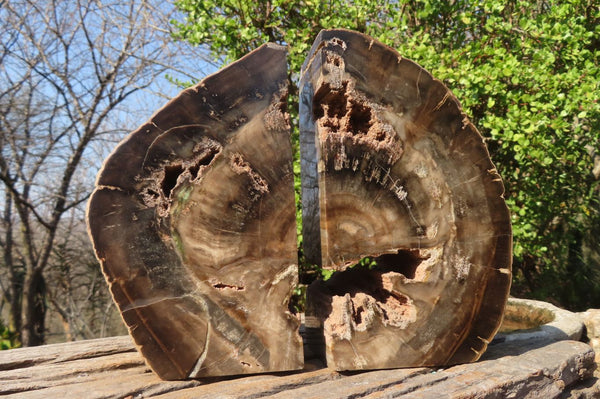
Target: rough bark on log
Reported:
point(193, 222)
point(392, 169)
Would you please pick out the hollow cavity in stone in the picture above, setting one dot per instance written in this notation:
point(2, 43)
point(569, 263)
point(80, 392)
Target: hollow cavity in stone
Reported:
point(165, 180)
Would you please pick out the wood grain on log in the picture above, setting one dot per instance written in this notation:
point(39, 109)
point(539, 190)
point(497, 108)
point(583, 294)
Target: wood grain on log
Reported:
point(193, 222)
point(95, 369)
point(392, 169)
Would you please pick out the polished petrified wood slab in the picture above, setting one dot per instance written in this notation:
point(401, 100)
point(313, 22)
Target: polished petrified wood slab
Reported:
point(193, 220)
point(393, 170)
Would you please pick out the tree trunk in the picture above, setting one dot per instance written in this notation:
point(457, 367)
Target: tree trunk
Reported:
point(193, 221)
point(34, 310)
point(14, 293)
point(16, 300)
point(394, 171)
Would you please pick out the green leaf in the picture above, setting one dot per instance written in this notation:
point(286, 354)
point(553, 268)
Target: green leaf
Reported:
point(529, 77)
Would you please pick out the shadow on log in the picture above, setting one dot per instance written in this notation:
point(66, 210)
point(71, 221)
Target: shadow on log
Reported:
point(393, 170)
point(193, 221)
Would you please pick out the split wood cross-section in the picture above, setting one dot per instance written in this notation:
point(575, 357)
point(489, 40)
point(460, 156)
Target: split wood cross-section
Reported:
point(193, 219)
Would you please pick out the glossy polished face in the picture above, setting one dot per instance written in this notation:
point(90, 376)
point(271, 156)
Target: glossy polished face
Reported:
point(193, 220)
point(403, 179)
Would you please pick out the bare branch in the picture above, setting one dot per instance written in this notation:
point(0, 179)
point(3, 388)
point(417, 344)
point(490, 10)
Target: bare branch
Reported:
point(68, 70)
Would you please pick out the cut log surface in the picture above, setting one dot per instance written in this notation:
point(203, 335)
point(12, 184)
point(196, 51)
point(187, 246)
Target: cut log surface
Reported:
point(393, 170)
point(193, 222)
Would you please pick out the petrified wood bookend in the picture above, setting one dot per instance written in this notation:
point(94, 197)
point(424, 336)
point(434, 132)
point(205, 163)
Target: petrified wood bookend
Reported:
point(193, 220)
point(392, 169)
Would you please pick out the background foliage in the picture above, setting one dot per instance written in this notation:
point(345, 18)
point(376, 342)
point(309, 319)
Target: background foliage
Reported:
point(527, 74)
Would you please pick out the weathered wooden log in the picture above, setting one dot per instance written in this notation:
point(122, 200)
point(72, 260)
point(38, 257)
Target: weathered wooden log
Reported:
point(193, 221)
point(106, 368)
point(392, 169)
